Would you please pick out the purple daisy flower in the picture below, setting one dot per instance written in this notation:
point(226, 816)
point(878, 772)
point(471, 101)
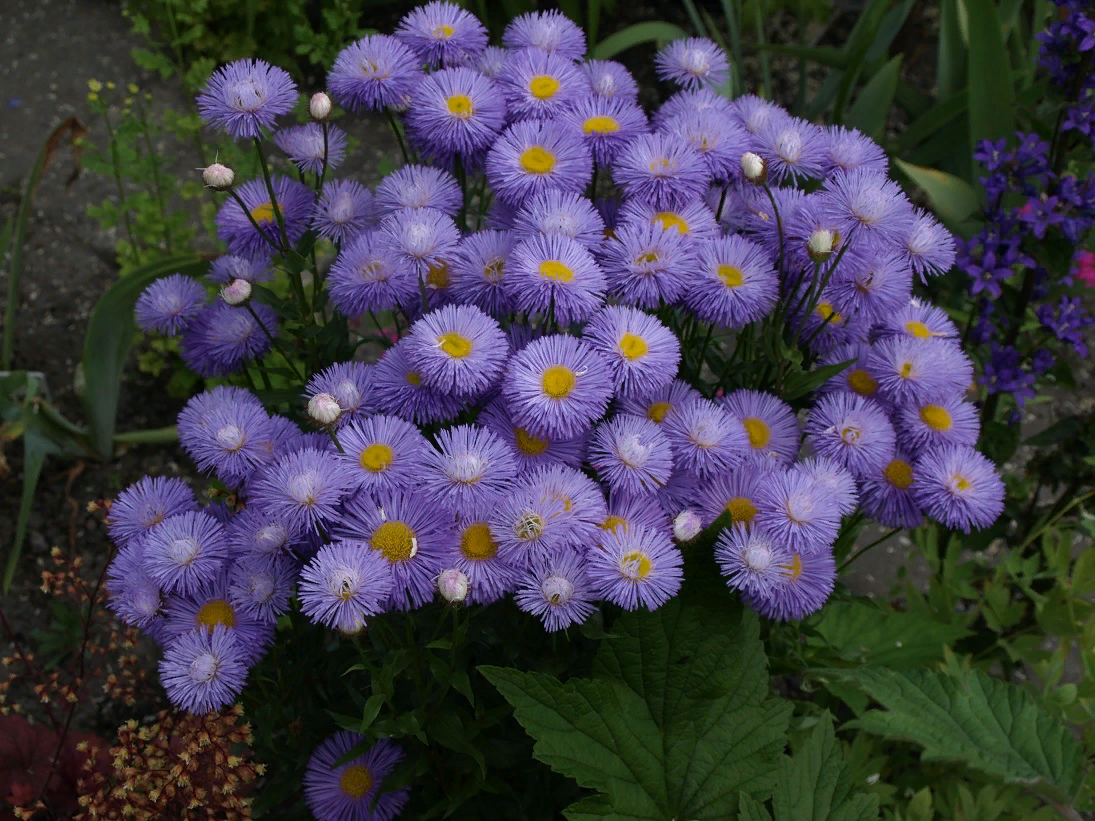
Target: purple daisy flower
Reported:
point(202, 670)
point(540, 85)
point(825, 328)
point(958, 487)
point(458, 350)
point(186, 551)
point(344, 584)
point(366, 277)
point(659, 405)
point(888, 496)
point(700, 100)
point(632, 455)
point(560, 212)
point(736, 492)
point(308, 149)
point(643, 353)
point(234, 229)
point(692, 62)
point(345, 792)
point(555, 276)
point(720, 141)
point(558, 592)
point(855, 378)
point(422, 239)
point(628, 511)
point(870, 203)
point(383, 452)
point(877, 285)
point(854, 431)
point(400, 391)
point(491, 61)
point(168, 304)
point(805, 585)
point(950, 421)
point(144, 504)
point(694, 220)
point(647, 266)
point(533, 156)
point(350, 383)
point(230, 441)
point(795, 510)
point(227, 268)
point(304, 488)
point(374, 73)
point(754, 113)
point(344, 211)
point(246, 96)
point(928, 245)
point(849, 150)
point(610, 80)
point(751, 560)
point(833, 479)
point(769, 423)
point(254, 532)
point(442, 33)
point(582, 500)
point(665, 171)
point(557, 386)
point(604, 124)
point(734, 284)
point(133, 595)
point(410, 532)
point(635, 567)
point(921, 371)
point(260, 586)
point(471, 468)
point(475, 554)
point(528, 527)
point(706, 438)
point(530, 451)
point(221, 339)
point(457, 111)
point(919, 321)
point(478, 269)
point(793, 149)
point(550, 31)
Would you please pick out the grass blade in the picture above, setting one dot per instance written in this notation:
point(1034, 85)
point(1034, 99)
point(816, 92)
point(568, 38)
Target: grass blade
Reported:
point(992, 94)
point(872, 106)
point(654, 31)
point(36, 448)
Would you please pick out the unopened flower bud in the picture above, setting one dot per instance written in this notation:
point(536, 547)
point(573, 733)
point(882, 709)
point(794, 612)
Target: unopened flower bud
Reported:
point(319, 106)
point(452, 584)
point(237, 292)
point(687, 526)
point(754, 168)
point(820, 245)
point(324, 409)
point(218, 176)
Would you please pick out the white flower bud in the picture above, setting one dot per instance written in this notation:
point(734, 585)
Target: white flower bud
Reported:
point(452, 584)
point(324, 409)
point(754, 168)
point(218, 176)
point(820, 245)
point(319, 106)
point(687, 526)
point(237, 292)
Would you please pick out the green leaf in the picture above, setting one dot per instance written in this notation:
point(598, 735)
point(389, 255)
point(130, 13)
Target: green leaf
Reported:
point(749, 809)
point(862, 633)
point(953, 198)
point(992, 94)
point(815, 785)
point(35, 450)
point(654, 31)
point(872, 106)
point(950, 60)
point(109, 337)
point(677, 721)
point(989, 725)
point(800, 383)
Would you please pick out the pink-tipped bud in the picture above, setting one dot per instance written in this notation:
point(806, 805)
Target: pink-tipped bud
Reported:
point(820, 245)
point(452, 584)
point(219, 177)
point(237, 292)
point(324, 409)
point(687, 526)
point(319, 106)
point(754, 168)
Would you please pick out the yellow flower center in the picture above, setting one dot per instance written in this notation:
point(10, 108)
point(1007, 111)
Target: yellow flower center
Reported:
point(263, 212)
point(899, 473)
point(861, 382)
point(543, 86)
point(657, 411)
point(633, 347)
point(455, 345)
point(527, 443)
point(494, 270)
point(661, 167)
point(635, 565)
point(647, 258)
point(794, 569)
point(460, 105)
point(668, 220)
point(476, 543)
point(553, 269)
point(356, 781)
point(558, 381)
point(936, 417)
point(377, 457)
point(918, 329)
point(537, 160)
point(730, 275)
point(759, 432)
point(414, 378)
point(395, 540)
point(437, 276)
point(961, 482)
point(906, 370)
point(613, 522)
point(601, 124)
point(827, 314)
point(742, 510)
point(215, 612)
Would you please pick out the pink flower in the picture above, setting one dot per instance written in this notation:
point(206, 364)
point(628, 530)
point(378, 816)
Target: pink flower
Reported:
point(1085, 268)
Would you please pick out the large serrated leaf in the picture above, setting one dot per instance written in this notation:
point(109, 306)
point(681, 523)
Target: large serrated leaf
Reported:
point(989, 725)
point(676, 723)
point(865, 634)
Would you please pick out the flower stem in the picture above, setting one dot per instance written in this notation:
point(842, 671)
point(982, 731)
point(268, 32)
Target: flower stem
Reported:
point(274, 342)
point(270, 190)
point(398, 135)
